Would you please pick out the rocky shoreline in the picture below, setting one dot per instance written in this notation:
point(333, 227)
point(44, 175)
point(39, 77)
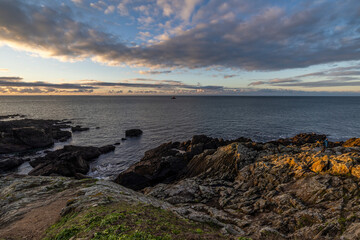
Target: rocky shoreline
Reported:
point(235, 189)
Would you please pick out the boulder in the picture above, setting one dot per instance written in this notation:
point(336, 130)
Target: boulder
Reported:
point(133, 133)
point(33, 137)
point(78, 128)
point(68, 161)
point(161, 164)
point(29, 134)
point(10, 163)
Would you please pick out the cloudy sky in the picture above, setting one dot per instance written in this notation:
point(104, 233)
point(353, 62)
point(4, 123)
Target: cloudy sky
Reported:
point(234, 47)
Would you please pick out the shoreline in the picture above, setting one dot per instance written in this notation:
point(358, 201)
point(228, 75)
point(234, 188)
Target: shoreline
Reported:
point(283, 189)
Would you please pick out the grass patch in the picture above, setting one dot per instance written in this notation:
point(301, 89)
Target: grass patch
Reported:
point(128, 222)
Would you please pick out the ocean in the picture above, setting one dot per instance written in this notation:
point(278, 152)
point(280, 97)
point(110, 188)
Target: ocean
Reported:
point(163, 119)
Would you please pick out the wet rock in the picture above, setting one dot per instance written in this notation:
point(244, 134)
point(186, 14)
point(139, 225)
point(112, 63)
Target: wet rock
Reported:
point(29, 134)
point(68, 161)
point(133, 133)
point(10, 163)
point(78, 128)
point(161, 164)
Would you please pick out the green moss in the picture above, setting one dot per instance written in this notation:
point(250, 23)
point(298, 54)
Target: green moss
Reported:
point(67, 233)
point(244, 238)
point(342, 222)
point(125, 221)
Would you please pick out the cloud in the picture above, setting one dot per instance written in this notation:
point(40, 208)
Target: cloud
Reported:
point(154, 72)
point(77, 1)
point(17, 82)
point(258, 36)
point(10, 79)
point(183, 8)
point(336, 77)
point(339, 82)
point(229, 76)
point(4, 70)
point(122, 7)
point(109, 9)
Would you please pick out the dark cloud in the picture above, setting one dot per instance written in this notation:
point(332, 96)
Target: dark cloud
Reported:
point(266, 38)
point(10, 79)
point(154, 72)
point(229, 76)
point(18, 83)
point(274, 81)
point(339, 82)
point(336, 77)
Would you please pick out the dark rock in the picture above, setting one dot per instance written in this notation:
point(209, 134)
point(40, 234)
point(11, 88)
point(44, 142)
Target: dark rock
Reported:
point(123, 139)
point(168, 162)
point(12, 116)
point(97, 128)
point(10, 163)
point(107, 149)
point(68, 161)
point(161, 164)
point(61, 136)
point(117, 143)
point(29, 134)
point(303, 138)
point(78, 128)
point(33, 137)
point(133, 133)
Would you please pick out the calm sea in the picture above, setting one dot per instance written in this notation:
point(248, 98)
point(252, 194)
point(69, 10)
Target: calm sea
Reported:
point(163, 120)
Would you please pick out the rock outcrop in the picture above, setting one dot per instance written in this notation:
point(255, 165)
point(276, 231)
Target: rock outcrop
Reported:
point(78, 128)
point(28, 134)
point(133, 133)
point(169, 161)
point(39, 207)
point(286, 189)
point(71, 161)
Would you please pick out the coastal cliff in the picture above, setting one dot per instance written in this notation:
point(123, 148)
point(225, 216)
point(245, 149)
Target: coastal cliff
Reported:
point(204, 188)
point(285, 189)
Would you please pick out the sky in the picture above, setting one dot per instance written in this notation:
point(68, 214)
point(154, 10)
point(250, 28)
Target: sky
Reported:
point(180, 47)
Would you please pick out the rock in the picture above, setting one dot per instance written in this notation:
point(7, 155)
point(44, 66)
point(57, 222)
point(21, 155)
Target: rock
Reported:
point(117, 143)
point(45, 207)
point(303, 138)
point(133, 133)
point(107, 149)
point(169, 161)
point(123, 139)
point(30, 134)
point(352, 232)
point(268, 233)
point(78, 128)
point(161, 164)
point(68, 161)
point(352, 142)
point(284, 189)
point(12, 116)
point(33, 137)
point(10, 163)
